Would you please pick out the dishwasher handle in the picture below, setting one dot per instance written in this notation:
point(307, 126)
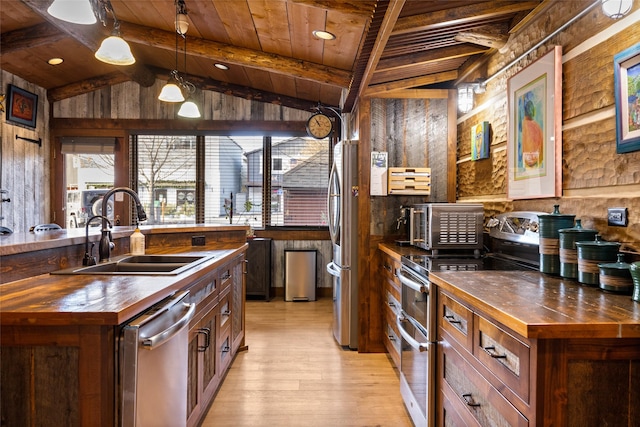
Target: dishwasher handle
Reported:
point(160, 338)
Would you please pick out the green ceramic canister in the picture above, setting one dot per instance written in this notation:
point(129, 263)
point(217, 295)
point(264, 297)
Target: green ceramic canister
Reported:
point(616, 277)
point(590, 254)
point(635, 276)
point(568, 250)
point(549, 225)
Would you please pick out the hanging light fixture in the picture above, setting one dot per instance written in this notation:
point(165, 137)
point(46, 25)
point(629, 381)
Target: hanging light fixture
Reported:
point(616, 9)
point(182, 23)
point(114, 49)
point(74, 11)
point(177, 86)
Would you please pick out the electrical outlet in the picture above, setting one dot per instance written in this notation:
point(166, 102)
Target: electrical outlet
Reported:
point(617, 217)
point(197, 241)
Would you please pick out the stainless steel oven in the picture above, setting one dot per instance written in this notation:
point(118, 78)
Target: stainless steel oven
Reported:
point(512, 246)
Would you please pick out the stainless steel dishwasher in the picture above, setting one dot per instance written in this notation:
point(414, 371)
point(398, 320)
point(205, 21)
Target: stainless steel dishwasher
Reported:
point(153, 362)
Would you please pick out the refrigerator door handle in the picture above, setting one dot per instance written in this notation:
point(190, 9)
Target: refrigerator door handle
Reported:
point(333, 269)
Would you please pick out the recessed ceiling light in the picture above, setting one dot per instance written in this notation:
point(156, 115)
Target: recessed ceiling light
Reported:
point(220, 66)
point(55, 61)
point(324, 35)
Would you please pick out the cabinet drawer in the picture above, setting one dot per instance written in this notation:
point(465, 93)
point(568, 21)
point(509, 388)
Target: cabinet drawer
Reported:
point(457, 320)
point(225, 277)
point(504, 355)
point(470, 395)
point(392, 344)
point(224, 351)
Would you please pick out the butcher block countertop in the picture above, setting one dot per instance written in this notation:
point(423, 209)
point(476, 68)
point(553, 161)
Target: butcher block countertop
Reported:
point(540, 306)
point(50, 299)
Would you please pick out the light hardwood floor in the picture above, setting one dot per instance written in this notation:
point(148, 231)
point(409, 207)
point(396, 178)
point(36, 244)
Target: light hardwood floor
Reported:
point(294, 374)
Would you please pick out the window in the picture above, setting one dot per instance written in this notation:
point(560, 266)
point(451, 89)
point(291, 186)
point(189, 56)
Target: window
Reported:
point(88, 175)
point(233, 180)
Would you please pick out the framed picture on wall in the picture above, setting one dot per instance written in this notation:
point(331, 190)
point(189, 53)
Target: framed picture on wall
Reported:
point(534, 135)
point(22, 106)
point(480, 141)
point(626, 67)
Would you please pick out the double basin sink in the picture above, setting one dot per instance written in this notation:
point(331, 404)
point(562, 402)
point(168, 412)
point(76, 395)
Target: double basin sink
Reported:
point(164, 265)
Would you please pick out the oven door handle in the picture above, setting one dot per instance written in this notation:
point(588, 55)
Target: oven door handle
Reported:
point(418, 287)
point(420, 346)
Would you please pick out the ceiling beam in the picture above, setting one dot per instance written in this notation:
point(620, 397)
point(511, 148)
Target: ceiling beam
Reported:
point(234, 55)
point(34, 36)
point(430, 56)
point(373, 91)
point(388, 22)
point(85, 86)
point(90, 37)
point(460, 15)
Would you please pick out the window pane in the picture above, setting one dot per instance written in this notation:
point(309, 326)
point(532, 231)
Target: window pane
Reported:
point(87, 177)
point(167, 178)
point(230, 182)
point(299, 184)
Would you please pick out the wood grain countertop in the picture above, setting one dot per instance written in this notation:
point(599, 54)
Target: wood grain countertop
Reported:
point(97, 299)
point(540, 306)
point(16, 243)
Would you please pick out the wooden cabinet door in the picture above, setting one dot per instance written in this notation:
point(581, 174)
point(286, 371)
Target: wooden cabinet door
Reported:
point(237, 303)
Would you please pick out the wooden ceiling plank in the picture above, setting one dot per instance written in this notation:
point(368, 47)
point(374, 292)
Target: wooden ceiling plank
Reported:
point(483, 39)
point(30, 37)
point(91, 38)
point(414, 93)
point(435, 55)
point(430, 79)
point(239, 56)
point(355, 8)
point(454, 16)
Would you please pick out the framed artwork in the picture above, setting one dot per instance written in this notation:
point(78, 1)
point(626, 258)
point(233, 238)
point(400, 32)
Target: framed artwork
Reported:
point(534, 135)
point(22, 107)
point(480, 141)
point(626, 67)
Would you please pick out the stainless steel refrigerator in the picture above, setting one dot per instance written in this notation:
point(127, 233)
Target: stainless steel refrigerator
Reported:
point(343, 227)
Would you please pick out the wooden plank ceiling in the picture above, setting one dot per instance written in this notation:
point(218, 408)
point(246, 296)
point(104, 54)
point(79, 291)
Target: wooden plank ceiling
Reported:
point(268, 46)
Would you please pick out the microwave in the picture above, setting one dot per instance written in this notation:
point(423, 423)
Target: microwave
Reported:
point(436, 226)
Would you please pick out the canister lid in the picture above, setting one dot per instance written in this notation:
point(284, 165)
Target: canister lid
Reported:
point(619, 265)
point(556, 214)
point(577, 229)
point(598, 243)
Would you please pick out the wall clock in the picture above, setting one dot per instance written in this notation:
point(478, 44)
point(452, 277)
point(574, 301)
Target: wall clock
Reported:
point(319, 126)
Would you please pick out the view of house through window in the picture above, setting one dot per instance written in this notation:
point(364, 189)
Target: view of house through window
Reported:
point(233, 180)
point(89, 173)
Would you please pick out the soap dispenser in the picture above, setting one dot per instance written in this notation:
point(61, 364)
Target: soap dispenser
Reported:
point(137, 242)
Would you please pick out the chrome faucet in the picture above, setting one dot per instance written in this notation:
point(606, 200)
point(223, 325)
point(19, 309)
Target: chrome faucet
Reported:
point(105, 241)
point(89, 259)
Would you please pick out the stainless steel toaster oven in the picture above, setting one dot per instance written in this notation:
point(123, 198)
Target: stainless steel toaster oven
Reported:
point(436, 226)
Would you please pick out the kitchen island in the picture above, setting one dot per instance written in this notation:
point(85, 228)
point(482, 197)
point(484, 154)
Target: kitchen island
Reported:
point(59, 333)
point(528, 349)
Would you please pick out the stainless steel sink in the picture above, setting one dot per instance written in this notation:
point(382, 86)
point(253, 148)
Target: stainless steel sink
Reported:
point(165, 265)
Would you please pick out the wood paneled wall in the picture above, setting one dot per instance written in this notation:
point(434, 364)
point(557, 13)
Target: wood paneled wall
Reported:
point(24, 166)
point(594, 177)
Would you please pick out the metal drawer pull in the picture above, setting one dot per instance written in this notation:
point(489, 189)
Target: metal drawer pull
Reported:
point(226, 313)
point(392, 338)
point(225, 349)
point(388, 268)
point(391, 304)
point(207, 339)
point(451, 319)
point(469, 400)
point(491, 351)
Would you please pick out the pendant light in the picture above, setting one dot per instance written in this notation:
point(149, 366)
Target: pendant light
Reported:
point(114, 49)
point(188, 109)
point(74, 11)
point(616, 9)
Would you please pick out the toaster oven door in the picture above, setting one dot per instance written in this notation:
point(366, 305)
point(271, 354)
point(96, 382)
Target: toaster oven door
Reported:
point(418, 226)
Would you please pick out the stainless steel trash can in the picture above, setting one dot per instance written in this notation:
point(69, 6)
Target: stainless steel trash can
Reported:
point(300, 275)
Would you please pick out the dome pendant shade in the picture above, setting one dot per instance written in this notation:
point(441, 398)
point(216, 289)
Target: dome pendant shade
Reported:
point(616, 9)
point(171, 93)
point(114, 50)
point(74, 11)
point(189, 109)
